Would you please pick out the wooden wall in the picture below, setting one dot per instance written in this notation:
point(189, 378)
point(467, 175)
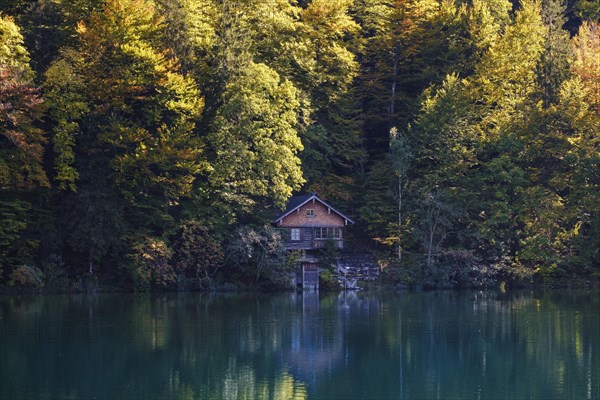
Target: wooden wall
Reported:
point(321, 217)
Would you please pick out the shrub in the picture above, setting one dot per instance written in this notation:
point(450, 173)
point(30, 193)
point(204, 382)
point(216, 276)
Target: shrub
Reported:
point(196, 255)
point(459, 268)
point(259, 254)
point(400, 273)
point(329, 254)
point(56, 279)
point(151, 264)
point(327, 280)
point(27, 277)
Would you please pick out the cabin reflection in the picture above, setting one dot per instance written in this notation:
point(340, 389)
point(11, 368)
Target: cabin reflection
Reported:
point(316, 343)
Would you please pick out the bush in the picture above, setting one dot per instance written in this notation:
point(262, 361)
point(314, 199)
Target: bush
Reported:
point(329, 254)
point(405, 273)
point(56, 279)
point(151, 264)
point(459, 268)
point(27, 277)
point(259, 255)
point(327, 280)
point(196, 255)
point(512, 273)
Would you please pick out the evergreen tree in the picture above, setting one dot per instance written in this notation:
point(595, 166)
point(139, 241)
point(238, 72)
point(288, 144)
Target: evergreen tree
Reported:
point(554, 64)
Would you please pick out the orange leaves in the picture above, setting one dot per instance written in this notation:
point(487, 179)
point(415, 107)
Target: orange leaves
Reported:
point(21, 106)
point(587, 62)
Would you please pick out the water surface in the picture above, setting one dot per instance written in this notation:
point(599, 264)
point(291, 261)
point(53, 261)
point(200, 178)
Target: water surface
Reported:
point(438, 345)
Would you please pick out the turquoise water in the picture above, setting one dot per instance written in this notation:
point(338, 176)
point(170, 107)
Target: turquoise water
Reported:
point(437, 345)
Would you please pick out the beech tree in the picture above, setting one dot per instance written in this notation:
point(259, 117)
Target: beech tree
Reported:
point(21, 107)
point(21, 147)
point(165, 125)
point(123, 122)
point(254, 138)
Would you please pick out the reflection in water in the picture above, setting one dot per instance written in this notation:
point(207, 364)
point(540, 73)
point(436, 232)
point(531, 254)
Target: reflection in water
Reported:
point(298, 346)
point(241, 383)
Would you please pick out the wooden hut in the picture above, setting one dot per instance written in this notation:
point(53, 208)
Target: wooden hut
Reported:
point(308, 222)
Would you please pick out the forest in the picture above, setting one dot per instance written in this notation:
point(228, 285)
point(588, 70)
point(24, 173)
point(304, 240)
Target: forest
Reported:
point(146, 144)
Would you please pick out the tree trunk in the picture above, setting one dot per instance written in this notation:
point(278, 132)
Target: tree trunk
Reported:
point(90, 262)
point(392, 107)
point(399, 218)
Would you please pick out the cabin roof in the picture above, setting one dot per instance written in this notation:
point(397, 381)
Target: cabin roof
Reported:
point(296, 202)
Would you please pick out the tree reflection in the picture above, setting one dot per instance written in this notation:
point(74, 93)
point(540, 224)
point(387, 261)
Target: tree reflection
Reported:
point(348, 345)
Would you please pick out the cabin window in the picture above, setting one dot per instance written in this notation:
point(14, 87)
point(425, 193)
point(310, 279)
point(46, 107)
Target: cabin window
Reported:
point(295, 234)
point(310, 212)
point(328, 233)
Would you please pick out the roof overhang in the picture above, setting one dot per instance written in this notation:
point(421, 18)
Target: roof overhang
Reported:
point(314, 197)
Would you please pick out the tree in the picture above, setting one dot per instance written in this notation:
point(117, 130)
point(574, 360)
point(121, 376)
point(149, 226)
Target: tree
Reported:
point(587, 10)
point(326, 65)
point(254, 138)
point(419, 43)
point(586, 65)
point(444, 154)
point(259, 253)
point(577, 181)
point(378, 211)
point(436, 223)
point(401, 156)
point(21, 107)
point(151, 259)
point(191, 32)
point(21, 148)
point(123, 125)
point(502, 92)
point(555, 60)
point(196, 253)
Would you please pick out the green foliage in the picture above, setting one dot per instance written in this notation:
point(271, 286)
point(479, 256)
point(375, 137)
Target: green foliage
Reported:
point(400, 273)
point(587, 9)
point(328, 255)
point(120, 79)
point(151, 259)
point(123, 118)
point(254, 137)
point(21, 139)
point(26, 277)
point(258, 254)
point(327, 280)
point(459, 269)
point(191, 33)
point(555, 61)
point(378, 211)
point(488, 182)
point(13, 250)
point(21, 157)
point(93, 222)
point(67, 105)
point(196, 255)
point(13, 52)
point(586, 65)
point(462, 134)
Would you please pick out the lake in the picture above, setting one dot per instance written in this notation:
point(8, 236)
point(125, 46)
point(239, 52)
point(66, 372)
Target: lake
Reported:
point(428, 345)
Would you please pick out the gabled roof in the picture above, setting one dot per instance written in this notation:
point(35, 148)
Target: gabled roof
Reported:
point(296, 202)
